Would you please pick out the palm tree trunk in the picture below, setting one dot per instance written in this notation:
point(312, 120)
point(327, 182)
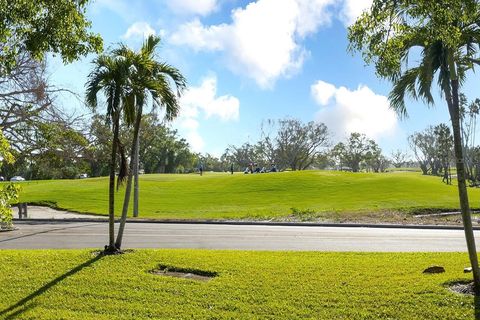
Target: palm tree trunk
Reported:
point(111, 187)
point(135, 181)
point(128, 189)
point(454, 109)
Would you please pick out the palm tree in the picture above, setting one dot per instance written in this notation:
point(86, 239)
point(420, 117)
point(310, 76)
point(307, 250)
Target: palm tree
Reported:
point(450, 67)
point(448, 36)
point(110, 76)
point(148, 78)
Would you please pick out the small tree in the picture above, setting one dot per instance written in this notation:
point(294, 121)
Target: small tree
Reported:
point(424, 147)
point(398, 158)
point(444, 142)
point(9, 192)
point(356, 149)
point(298, 144)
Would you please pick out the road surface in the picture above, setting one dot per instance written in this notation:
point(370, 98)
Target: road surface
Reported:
point(58, 234)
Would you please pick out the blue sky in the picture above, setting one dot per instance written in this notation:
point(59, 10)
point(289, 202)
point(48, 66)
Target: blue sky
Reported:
point(248, 61)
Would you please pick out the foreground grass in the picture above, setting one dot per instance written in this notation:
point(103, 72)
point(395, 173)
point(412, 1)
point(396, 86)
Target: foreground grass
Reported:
point(47, 284)
point(308, 194)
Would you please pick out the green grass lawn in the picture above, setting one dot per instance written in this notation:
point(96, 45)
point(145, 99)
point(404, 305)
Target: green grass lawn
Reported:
point(73, 284)
point(329, 194)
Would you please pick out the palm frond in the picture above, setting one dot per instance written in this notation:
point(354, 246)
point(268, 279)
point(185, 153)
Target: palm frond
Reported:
point(123, 166)
point(405, 85)
point(149, 45)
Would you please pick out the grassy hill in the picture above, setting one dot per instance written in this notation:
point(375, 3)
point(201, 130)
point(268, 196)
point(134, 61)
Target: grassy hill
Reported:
point(307, 194)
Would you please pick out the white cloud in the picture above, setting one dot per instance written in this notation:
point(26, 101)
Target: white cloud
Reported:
point(129, 11)
point(139, 29)
point(345, 111)
point(264, 39)
point(323, 92)
point(189, 127)
point(352, 9)
point(204, 100)
point(200, 7)
point(199, 37)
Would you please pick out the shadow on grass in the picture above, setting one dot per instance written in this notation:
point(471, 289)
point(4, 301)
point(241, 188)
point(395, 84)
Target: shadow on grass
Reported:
point(477, 307)
point(19, 307)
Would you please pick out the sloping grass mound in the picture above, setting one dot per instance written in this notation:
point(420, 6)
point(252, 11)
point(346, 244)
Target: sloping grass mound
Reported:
point(47, 284)
point(305, 195)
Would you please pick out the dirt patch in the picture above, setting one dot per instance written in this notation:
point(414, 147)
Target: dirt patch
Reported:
point(192, 274)
point(96, 253)
point(462, 287)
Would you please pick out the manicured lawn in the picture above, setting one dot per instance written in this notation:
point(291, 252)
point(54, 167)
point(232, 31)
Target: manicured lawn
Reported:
point(329, 194)
point(47, 284)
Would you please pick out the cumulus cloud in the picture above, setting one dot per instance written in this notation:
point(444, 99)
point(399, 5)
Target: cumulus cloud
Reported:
point(139, 29)
point(200, 7)
point(263, 40)
point(352, 9)
point(345, 111)
point(189, 127)
point(203, 100)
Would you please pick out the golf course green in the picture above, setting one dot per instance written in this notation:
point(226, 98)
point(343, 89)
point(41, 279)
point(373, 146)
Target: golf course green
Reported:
point(304, 195)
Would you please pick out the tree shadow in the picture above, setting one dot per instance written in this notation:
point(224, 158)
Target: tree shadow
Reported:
point(477, 307)
point(19, 307)
point(45, 231)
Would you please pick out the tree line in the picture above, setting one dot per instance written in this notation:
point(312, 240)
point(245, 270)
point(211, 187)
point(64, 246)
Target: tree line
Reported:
point(50, 143)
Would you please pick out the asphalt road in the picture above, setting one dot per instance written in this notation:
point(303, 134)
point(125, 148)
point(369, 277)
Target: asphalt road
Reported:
point(36, 235)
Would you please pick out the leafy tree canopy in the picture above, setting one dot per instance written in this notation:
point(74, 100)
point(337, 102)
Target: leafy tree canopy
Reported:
point(386, 33)
point(40, 26)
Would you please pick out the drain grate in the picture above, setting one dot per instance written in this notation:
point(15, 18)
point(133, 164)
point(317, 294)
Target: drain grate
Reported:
point(185, 273)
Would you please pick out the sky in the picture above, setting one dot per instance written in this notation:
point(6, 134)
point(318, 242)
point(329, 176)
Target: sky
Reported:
point(249, 61)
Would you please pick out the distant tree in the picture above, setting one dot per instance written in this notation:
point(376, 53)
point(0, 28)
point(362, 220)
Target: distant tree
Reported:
point(61, 152)
point(162, 150)
point(211, 163)
point(444, 150)
point(398, 158)
point(323, 160)
point(298, 144)
point(267, 148)
point(355, 150)
point(100, 145)
point(468, 124)
point(474, 165)
point(241, 156)
point(424, 147)
point(375, 160)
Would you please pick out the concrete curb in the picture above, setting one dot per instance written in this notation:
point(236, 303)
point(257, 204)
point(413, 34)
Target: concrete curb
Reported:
point(254, 223)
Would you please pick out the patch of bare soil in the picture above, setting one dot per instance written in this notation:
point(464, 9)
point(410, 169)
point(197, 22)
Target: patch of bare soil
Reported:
point(423, 217)
point(462, 288)
point(192, 274)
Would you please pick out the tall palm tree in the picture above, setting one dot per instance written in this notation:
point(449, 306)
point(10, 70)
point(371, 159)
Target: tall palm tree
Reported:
point(148, 79)
point(110, 76)
point(450, 66)
point(448, 36)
